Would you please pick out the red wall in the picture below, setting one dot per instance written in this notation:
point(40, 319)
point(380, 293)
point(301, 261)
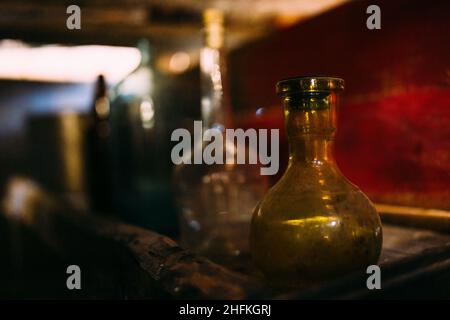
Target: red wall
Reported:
point(393, 137)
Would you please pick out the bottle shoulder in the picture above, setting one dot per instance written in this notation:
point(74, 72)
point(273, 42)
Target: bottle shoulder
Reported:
point(311, 192)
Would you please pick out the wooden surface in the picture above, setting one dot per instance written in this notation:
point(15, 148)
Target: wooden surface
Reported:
point(144, 264)
point(400, 243)
point(416, 217)
point(172, 24)
point(124, 261)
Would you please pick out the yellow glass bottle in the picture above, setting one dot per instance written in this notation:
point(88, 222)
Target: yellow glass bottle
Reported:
point(314, 224)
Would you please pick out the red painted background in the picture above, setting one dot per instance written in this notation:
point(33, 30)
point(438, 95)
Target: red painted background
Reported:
point(393, 135)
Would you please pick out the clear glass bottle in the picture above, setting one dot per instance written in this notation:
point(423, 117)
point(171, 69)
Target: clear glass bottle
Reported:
point(217, 200)
point(313, 224)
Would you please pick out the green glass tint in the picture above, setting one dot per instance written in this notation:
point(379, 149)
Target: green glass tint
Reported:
point(314, 224)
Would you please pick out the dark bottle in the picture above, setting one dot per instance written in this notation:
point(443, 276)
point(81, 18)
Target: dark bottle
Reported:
point(97, 151)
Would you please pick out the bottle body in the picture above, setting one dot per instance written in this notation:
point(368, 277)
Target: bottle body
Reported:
point(98, 162)
point(216, 203)
point(217, 199)
point(303, 232)
point(140, 170)
point(314, 224)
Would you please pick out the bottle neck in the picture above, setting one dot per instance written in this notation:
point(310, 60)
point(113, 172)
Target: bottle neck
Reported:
point(101, 109)
point(214, 79)
point(311, 125)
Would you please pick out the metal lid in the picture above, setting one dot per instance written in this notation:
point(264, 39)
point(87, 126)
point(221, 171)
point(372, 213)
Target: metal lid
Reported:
point(308, 84)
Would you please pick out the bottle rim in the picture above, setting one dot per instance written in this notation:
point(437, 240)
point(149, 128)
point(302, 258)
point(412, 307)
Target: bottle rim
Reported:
point(309, 85)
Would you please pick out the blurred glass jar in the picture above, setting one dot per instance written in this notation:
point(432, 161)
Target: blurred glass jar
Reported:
point(141, 172)
point(217, 200)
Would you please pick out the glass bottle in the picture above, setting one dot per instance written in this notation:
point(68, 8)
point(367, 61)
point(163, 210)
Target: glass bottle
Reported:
point(141, 173)
point(313, 224)
point(217, 200)
point(98, 151)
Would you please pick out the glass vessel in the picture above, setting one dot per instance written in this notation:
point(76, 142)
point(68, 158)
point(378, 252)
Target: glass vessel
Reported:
point(140, 171)
point(98, 151)
point(313, 224)
point(217, 200)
